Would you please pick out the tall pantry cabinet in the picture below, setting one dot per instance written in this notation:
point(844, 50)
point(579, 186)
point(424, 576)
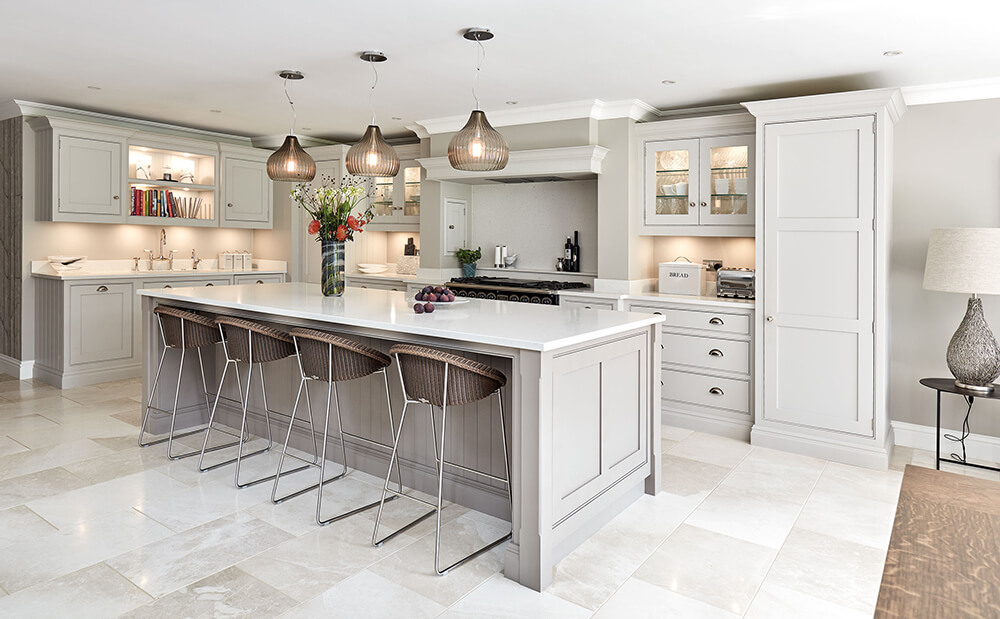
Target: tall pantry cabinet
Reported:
point(824, 181)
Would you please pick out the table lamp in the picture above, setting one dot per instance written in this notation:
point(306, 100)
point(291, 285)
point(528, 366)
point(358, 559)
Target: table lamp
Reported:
point(968, 260)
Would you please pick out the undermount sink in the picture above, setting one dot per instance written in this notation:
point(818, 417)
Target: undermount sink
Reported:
point(159, 265)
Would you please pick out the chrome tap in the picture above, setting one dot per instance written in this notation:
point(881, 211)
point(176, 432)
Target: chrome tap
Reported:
point(194, 261)
point(135, 264)
point(163, 242)
point(170, 260)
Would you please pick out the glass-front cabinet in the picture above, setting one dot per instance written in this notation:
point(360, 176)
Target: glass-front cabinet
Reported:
point(397, 198)
point(699, 186)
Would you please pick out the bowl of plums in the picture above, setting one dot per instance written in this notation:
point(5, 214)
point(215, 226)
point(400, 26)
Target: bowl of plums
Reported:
point(435, 297)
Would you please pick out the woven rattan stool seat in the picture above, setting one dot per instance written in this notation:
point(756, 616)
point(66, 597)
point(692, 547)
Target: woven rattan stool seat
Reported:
point(269, 344)
point(350, 359)
point(199, 330)
point(422, 370)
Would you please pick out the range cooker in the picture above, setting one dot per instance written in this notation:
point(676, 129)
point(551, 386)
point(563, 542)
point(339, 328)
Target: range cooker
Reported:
point(509, 289)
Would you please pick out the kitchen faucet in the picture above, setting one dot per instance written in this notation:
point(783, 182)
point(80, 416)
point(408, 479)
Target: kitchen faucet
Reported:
point(161, 258)
point(163, 242)
point(194, 261)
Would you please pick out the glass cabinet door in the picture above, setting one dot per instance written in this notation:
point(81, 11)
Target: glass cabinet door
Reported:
point(411, 194)
point(672, 182)
point(382, 196)
point(727, 184)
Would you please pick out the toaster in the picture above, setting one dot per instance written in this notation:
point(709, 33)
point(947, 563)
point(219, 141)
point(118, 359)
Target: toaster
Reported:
point(735, 283)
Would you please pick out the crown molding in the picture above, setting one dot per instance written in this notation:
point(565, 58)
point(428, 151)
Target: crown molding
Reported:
point(820, 106)
point(569, 162)
point(592, 109)
point(951, 92)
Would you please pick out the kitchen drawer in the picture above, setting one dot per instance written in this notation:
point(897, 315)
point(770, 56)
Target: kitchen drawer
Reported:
point(587, 303)
point(186, 283)
point(712, 391)
point(273, 278)
point(714, 321)
point(707, 352)
point(390, 285)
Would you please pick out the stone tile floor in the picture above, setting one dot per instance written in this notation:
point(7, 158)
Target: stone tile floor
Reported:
point(92, 526)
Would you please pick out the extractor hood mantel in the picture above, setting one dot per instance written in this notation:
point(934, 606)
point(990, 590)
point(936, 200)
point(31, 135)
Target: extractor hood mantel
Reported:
point(543, 164)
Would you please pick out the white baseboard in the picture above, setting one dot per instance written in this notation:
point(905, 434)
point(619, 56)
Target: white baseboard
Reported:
point(69, 380)
point(21, 370)
point(978, 446)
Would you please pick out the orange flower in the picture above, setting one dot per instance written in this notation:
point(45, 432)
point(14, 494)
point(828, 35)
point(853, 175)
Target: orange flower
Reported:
point(341, 232)
point(313, 227)
point(352, 223)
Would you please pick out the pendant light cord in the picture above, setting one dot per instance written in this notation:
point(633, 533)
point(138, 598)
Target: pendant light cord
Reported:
point(371, 94)
point(480, 59)
point(291, 130)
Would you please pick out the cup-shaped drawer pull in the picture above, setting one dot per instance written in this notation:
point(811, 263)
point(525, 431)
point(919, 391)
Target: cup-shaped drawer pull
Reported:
point(715, 320)
point(102, 289)
point(716, 391)
point(260, 281)
point(209, 284)
point(658, 313)
point(715, 352)
point(168, 286)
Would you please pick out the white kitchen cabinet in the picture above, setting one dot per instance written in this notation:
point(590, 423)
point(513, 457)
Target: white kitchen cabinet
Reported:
point(259, 279)
point(587, 303)
point(698, 176)
point(79, 171)
point(100, 323)
point(825, 189)
point(188, 283)
point(397, 199)
point(378, 283)
point(707, 366)
point(247, 197)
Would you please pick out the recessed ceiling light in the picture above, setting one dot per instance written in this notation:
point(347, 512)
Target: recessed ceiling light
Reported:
point(94, 87)
point(216, 111)
point(307, 128)
point(892, 52)
point(511, 102)
point(397, 118)
point(668, 82)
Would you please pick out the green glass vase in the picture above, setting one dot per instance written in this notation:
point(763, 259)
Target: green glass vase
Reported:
point(332, 280)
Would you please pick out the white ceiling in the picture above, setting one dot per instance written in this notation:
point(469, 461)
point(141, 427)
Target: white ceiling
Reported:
point(174, 61)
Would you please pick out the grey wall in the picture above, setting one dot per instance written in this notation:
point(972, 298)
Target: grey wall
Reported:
point(947, 174)
point(533, 221)
point(10, 237)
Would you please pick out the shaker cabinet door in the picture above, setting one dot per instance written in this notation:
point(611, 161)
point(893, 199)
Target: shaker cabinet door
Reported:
point(246, 193)
point(819, 257)
point(90, 177)
point(100, 322)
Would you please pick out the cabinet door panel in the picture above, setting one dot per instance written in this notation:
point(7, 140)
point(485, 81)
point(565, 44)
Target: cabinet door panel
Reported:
point(100, 323)
point(248, 194)
point(89, 176)
point(726, 182)
point(671, 182)
point(819, 196)
point(705, 352)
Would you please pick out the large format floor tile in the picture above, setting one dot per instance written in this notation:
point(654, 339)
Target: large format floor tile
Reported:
point(639, 599)
point(366, 595)
point(501, 598)
point(229, 593)
point(96, 591)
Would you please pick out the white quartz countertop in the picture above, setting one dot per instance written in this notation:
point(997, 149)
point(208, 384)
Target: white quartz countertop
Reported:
point(500, 323)
point(122, 269)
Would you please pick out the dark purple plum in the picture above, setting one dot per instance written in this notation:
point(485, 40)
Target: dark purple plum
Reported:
point(418, 308)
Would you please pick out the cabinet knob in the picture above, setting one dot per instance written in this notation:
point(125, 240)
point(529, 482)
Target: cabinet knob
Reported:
point(704, 203)
point(693, 204)
point(716, 391)
point(116, 197)
point(715, 352)
point(451, 226)
point(770, 318)
point(230, 205)
point(102, 289)
point(716, 321)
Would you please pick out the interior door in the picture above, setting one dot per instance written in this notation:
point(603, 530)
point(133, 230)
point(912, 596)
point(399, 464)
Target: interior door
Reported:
point(819, 260)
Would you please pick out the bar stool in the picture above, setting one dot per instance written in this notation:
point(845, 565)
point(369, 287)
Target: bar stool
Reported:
point(180, 330)
point(332, 359)
point(437, 378)
point(256, 344)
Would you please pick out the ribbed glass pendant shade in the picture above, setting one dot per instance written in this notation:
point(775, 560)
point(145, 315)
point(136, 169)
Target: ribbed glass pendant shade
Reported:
point(478, 146)
point(291, 163)
point(372, 155)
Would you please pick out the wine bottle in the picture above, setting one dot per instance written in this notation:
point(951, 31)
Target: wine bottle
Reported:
point(568, 255)
point(576, 251)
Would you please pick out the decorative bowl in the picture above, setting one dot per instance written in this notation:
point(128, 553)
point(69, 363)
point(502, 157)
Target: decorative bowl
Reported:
point(372, 269)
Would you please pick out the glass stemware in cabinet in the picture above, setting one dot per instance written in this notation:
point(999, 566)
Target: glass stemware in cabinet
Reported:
point(411, 191)
point(729, 170)
point(672, 182)
point(383, 196)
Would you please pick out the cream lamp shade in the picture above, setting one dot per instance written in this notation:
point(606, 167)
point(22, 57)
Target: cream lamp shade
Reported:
point(965, 260)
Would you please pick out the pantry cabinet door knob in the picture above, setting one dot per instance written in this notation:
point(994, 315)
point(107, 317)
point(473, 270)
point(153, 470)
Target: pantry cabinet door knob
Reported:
point(116, 197)
point(770, 319)
point(230, 205)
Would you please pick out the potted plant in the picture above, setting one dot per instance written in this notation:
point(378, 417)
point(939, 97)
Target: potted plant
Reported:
point(334, 222)
point(468, 258)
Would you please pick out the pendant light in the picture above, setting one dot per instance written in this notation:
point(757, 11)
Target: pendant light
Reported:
point(478, 146)
point(290, 162)
point(372, 155)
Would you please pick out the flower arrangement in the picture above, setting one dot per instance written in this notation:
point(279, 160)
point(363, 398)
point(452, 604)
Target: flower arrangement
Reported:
point(332, 208)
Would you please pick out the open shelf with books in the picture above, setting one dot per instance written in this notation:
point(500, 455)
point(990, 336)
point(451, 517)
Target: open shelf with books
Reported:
point(172, 187)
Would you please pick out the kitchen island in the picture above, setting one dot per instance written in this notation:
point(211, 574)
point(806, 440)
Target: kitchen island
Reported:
point(583, 393)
